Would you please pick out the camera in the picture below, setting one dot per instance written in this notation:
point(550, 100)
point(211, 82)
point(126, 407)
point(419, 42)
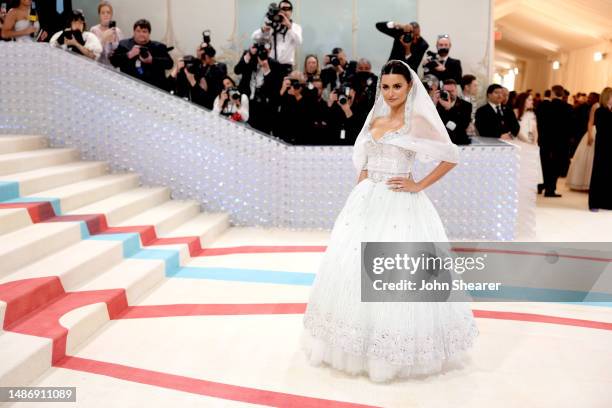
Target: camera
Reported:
point(192, 64)
point(234, 94)
point(206, 37)
point(343, 92)
point(444, 95)
point(295, 84)
point(144, 52)
point(273, 18)
point(333, 59)
point(112, 24)
point(262, 50)
point(432, 55)
point(69, 35)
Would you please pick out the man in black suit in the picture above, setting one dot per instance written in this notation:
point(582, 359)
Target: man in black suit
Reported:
point(492, 120)
point(455, 113)
point(142, 58)
point(261, 80)
point(555, 126)
point(440, 64)
point(408, 45)
point(53, 15)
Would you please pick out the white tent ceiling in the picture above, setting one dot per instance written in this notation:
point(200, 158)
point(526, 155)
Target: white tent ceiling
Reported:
point(539, 28)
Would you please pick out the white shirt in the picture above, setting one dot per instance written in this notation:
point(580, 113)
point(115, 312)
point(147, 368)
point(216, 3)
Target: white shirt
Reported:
point(91, 42)
point(232, 108)
point(286, 45)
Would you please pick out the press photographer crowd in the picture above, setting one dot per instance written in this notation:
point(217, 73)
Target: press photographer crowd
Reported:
point(325, 101)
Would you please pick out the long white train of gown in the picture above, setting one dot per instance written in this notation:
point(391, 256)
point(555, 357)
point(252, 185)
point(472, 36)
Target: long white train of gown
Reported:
point(386, 340)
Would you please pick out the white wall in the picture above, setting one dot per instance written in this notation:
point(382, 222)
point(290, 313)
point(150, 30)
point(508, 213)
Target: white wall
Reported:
point(468, 22)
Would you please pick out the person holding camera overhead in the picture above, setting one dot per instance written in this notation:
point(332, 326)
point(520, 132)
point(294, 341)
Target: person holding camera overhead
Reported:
point(76, 39)
point(261, 79)
point(408, 45)
point(440, 64)
point(282, 33)
point(456, 114)
point(231, 103)
point(107, 32)
point(142, 58)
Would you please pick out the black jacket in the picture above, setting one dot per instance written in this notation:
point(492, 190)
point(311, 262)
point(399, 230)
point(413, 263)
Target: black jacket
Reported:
point(461, 115)
point(489, 124)
point(155, 73)
point(555, 125)
point(453, 71)
point(50, 20)
point(272, 82)
point(398, 52)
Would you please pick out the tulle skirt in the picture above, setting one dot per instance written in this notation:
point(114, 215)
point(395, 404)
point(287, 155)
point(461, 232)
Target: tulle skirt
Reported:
point(579, 173)
point(385, 340)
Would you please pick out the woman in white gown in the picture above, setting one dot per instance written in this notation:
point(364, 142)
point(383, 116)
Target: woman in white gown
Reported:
point(581, 167)
point(387, 340)
point(17, 25)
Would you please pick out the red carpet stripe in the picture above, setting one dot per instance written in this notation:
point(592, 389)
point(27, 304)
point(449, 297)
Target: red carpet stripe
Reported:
point(537, 318)
point(140, 312)
point(201, 387)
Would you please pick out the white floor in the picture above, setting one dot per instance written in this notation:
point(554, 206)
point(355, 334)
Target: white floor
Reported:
point(514, 363)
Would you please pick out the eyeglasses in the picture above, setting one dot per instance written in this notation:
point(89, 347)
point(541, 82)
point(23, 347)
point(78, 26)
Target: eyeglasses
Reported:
point(443, 36)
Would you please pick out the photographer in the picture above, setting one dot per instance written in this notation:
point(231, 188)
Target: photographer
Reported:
point(231, 103)
point(290, 123)
point(311, 67)
point(343, 123)
point(261, 80)
point(337, 69)
point(408, 45)
point(317, 130)
point(455, 113)
point(76, 39)
point(364, 83)
point(282, 33)
point(440, 64)
point(107, 32)
point(432, 85)
point(142, 58)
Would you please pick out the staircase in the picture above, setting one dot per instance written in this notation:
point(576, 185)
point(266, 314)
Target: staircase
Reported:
point(77, 247)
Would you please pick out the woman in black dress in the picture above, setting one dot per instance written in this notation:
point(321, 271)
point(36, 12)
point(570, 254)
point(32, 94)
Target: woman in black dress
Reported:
point(600, 192)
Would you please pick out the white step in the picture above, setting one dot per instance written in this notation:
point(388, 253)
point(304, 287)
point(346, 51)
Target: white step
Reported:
point(136, 276)
point(29, 244)
point(75, 265)
point(86, 192)
point(46, 178)
point(124, 205)
point(35, 159)
point(21, 143)
point(23, 358)
point(166, 217)
point(207, 226)
point(12, 219)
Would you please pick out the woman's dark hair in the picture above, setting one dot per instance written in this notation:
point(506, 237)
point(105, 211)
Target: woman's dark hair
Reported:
point(397, 67)
point(519, 103)
point(231, 80)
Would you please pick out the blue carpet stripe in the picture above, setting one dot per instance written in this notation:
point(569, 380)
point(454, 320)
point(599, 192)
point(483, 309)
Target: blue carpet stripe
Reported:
point(9, 190)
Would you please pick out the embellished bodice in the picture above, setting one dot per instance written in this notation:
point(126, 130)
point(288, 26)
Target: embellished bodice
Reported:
point(385, 160)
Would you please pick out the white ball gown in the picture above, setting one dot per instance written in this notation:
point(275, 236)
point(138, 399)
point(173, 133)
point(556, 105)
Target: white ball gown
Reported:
point(581, 167)
point(385, 340)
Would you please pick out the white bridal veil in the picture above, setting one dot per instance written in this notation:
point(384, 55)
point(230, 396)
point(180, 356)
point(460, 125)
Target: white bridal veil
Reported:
point(423, 131)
